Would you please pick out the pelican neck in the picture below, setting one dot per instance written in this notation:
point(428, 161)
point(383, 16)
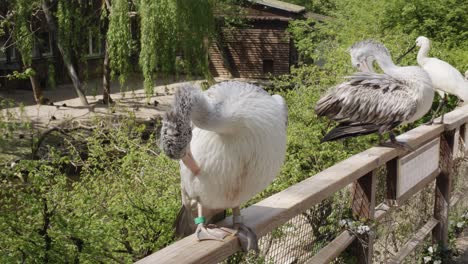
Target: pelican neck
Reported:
point(422, 54)
point(385, 62)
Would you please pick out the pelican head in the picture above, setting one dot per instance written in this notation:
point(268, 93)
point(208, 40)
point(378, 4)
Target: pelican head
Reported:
point(422, 41)
point(176, 134)
point(176, 130)
point(364, 53)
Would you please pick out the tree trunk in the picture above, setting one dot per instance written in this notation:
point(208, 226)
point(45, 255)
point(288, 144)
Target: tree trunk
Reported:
point(37, 90)
point(106, 99)
point(65, 55)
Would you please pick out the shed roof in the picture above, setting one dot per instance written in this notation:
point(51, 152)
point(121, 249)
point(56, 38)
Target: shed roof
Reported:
point(280, 5)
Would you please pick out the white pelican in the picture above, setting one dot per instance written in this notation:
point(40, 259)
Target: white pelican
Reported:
point(370, 102)
point(231, 140)
point(445, 78)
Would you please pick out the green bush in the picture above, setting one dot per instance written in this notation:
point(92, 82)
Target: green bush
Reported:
point(112, 201)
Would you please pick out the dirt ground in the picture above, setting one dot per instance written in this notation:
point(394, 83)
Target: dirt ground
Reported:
point(64, 104)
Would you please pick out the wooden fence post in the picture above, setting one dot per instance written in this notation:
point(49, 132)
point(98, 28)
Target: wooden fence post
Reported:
point(392, 171)
point(443, 189)
point(363, 205)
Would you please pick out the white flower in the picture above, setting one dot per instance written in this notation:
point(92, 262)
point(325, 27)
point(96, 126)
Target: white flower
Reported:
point(343, 222)
point(362, 229)
point(431, 250)
point(427, 259)
point(437, 261)
point(465, 215)
point(460, 224)
point(13, 164)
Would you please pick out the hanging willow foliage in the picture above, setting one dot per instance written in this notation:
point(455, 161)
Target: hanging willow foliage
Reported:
point(170, 27)
point(196, 28)
point(22, 33)
point(119, 39)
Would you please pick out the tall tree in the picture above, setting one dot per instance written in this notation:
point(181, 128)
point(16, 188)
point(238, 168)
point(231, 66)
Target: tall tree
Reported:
point(64, 51)
point(106, 89)
point(23, 37)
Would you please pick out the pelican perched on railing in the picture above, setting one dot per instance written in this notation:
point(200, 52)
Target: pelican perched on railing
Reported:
point(445, 78)
point(370, 102)
point(231, 140)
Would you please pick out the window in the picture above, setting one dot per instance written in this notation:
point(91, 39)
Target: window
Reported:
point(268, 66)
point(6, 50)
point(42, 45)
point(95, 44)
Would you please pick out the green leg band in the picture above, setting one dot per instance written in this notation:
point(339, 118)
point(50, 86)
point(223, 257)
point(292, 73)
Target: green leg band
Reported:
point(200, 220)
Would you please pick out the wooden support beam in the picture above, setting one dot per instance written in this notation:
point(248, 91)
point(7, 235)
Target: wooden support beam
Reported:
point(456, 153)
point(363, 205)
point(464, 138)
point(442, 191)
point(392, 175)
point(380, 211)
point(411, 244)
point(333, 249)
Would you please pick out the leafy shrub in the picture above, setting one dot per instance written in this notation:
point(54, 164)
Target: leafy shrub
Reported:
point(113, 202)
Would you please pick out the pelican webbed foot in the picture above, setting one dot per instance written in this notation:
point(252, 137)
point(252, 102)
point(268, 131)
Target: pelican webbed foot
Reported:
point(247, 238)
point(397, 144)
point(210, 232)
point(394, 143)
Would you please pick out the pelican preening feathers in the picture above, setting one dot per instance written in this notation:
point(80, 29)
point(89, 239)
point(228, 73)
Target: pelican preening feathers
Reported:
point(370, 102)
point(231, 140)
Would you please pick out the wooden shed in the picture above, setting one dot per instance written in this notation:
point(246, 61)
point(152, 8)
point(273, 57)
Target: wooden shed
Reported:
point(260, 48)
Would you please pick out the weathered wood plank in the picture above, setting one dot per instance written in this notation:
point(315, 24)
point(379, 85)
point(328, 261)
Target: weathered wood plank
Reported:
point(456, 144)
point(381, 210)
point(418, 187)
point(363, 206)
point(333, 249)
point(456, 118)
point(411, 244)
point(464, 138)
point(417, 169)
point(418, 164)
point(442, 194)
point(277, 209)
point(363, 196)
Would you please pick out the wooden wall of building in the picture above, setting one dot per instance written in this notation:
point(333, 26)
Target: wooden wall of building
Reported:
point(261, 48)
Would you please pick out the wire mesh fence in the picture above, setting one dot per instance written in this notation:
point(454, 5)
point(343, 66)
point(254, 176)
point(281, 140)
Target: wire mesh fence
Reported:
point(303, 236)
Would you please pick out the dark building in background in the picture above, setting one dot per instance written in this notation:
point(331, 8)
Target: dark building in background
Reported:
point(46, 58)
point(260, 48)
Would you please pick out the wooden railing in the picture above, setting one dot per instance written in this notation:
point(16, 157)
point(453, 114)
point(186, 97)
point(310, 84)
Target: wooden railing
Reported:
point(407, 174)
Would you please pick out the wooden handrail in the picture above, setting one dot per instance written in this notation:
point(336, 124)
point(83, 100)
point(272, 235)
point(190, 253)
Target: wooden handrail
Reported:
point(277, 209)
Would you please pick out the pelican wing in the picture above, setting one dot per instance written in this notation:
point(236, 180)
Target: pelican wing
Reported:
point(369, 98)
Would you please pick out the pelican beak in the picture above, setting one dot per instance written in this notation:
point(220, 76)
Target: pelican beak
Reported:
point(190, 163)
point(363, 67)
